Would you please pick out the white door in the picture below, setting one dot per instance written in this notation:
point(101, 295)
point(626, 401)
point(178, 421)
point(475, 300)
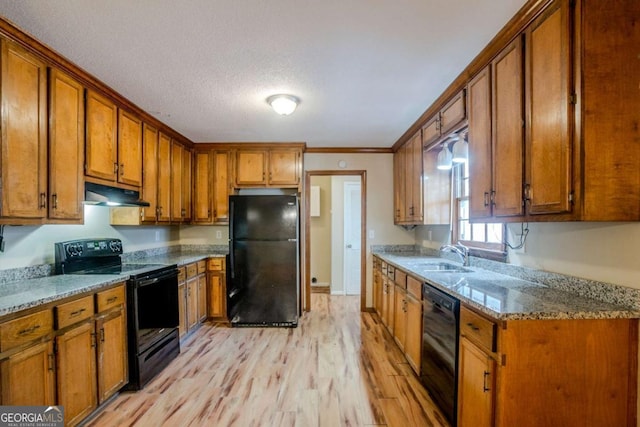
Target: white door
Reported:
point(352, 236)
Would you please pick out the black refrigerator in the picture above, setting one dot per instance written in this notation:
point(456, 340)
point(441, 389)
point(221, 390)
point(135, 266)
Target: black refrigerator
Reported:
point(263, 285)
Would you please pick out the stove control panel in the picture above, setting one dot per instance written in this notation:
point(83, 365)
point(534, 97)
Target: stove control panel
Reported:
point(87, 248)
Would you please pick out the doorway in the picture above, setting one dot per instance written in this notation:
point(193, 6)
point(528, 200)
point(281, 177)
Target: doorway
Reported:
point(346, 214)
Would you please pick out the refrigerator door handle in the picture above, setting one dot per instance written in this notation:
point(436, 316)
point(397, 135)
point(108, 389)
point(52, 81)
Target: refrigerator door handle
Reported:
point(232, 266)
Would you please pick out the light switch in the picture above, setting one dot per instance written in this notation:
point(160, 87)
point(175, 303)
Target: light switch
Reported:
point(372, 234)
point(218, 234)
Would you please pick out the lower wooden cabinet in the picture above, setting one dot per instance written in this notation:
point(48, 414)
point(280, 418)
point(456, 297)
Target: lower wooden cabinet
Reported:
point(76, 372)
point(192, 296)
point(192, 303)
point(400, 316)
point(476, 387)
point(28, 376)
point(217, 289)
point(111, 330)
point(413, 338)
point(202, 297)
point(182, 308)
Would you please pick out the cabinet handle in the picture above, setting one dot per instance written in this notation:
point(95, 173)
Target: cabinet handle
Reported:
point(54, 201)
point(121, 169)
point(101, 334)
point(527, 193)
point(93, 340)
point(77, 312)
point(183, 212)
point(493, 198)
point(43, 200)
point(486, 199)
point(50, 361)
point(115, 168)
point(484, 381)
point(112, 299)
point(28, 330)
point(472, 326)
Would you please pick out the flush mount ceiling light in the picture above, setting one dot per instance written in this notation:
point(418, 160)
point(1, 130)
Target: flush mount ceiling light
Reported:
point(460, 149)
point(283, 104)
point(445, 159)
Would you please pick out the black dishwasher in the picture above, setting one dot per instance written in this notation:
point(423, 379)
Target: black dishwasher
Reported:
point(440, 326)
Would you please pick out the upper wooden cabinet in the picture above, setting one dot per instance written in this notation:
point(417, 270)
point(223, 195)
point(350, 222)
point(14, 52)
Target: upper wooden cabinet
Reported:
point(150, 173)
point(102, 134)
point(221, 185)
point(408, 182)
point(164, 178)
point(450, 118)
point(129, 149)
point(66, 147)
point(270, 167)
point(177, 206)
point(436, 185)
point(23, 103)
point(211, 187)
point(187, 184)
point(114, 142)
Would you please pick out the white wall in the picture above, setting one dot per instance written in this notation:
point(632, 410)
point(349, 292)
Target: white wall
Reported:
point(204, 234)
point(379, 189)
point(32, 245)
point(320, 234)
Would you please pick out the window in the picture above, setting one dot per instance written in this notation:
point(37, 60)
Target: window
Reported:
point(477, 235)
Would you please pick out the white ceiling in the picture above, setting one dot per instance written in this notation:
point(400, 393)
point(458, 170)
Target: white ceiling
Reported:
point(365, 70)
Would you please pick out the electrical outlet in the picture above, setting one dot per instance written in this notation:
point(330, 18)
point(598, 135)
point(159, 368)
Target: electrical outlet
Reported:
point(218, 234)
point(430, 235)
point(157, 236)
point(372, 234)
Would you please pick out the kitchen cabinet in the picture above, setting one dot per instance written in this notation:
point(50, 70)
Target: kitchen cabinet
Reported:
point(436, 187)
point(399, 191)
point(129, 149)
point(66, 148)
point(187, 184)
point(217, 289)
point(211, 183)
point(389, 311)
point(377, 285)
point(413, 337)
point(202, 292)
point(182, 309)
point(101, 138)
point(450, 118)
point(150, 172)
point(400, 309)
point(408, 186)
point(505, 363)
point(192, 302)
point(27, 367)
point(268, 167)
point(164, 178)
point(191, 296)
point(177, 206)
point(221, 185)
point(23, 102)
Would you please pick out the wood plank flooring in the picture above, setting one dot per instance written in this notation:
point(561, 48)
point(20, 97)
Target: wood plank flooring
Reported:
point(337, 368)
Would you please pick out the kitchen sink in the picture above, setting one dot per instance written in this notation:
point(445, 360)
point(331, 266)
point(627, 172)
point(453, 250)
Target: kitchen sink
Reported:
point(444, 267)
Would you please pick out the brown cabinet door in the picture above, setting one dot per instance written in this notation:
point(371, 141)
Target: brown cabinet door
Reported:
point(431, 130)
point(77, 380)
point(129, 149)
point(284, 167)
point(476, 380)
point(202, 297)
point(23, 97)
point(27, 377)
point(192, 303)
point(549, 112)
point(150, 172)
point(66, 147)
point(177, 211)
point(400, 317)
point(436, 190)
point(391, 300)
point(453, 114)
point(164, 178)
point(203, 184)
point(221, 186)
point(407, 155)
point(399, 186)
point(377, 290)
point(413, 339)
point(111, 330)
point(479, 140)
point(187, 184)
point(508, 130)
point(216, 295)
point(182, 309)
point(251, 167)
point(384, 304)
point(417, 201)
point(101, 149)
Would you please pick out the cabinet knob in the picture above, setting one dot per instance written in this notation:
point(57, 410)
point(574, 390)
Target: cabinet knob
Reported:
point(115, 168)
point(43, 200)
point(485, 377)
point(486, 199)
point(121, 169)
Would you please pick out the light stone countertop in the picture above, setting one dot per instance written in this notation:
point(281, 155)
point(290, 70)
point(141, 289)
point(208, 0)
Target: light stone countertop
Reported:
point(504, 297)
point(27, 293)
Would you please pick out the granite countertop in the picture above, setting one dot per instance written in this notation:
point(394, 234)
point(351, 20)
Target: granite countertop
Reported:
point(27, 293)
point(504, 297)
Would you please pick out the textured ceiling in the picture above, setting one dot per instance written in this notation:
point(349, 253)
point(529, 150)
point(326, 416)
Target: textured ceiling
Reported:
point(364, 70)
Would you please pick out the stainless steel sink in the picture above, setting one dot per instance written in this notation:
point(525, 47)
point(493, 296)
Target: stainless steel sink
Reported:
point(444, 267)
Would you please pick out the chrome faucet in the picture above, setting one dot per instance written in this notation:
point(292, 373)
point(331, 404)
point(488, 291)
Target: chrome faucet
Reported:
point(461, 250)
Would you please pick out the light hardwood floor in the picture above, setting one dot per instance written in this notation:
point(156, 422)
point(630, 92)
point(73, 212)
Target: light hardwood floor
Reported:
point(338, 368)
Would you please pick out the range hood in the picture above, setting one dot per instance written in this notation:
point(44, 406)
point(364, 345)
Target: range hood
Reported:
point(103, 195)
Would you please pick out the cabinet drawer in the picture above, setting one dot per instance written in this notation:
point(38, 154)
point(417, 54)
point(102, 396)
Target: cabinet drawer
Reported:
point(110, 298)
point(215, 264)
point(182, 274)
point(391, 272)
point(477, 329)
point(202, 266)
point(401, 279)
point(192, 270)
point(414, 287)
point(74, 311)
point(25, 329)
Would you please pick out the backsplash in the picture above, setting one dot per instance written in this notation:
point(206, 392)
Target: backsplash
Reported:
point(602, 291)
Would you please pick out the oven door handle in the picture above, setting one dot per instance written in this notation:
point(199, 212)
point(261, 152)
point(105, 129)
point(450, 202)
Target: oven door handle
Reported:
point(152, 280)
